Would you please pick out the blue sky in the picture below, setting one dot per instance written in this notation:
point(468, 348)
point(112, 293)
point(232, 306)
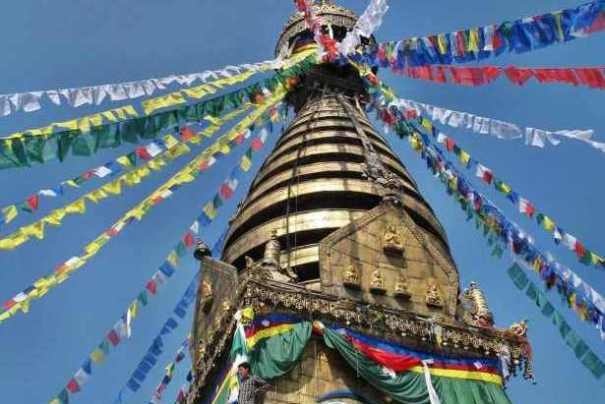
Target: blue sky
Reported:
point(53, 44)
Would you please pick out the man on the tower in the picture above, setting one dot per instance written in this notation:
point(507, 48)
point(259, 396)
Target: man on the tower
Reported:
point(251, 388)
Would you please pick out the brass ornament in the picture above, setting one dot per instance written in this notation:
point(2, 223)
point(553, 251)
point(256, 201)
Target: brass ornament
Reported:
point(401, 288)
point(392, 241)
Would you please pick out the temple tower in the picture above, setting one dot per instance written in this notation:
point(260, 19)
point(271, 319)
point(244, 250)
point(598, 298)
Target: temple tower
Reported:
point(334, 230)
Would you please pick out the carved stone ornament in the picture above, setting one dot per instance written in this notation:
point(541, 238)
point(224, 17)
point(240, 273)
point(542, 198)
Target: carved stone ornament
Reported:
point(433, 296)
point(391, 241)
point(351, 277)
point(271, 255)
point(207, 296)
point(377, 282)
point(401, 288)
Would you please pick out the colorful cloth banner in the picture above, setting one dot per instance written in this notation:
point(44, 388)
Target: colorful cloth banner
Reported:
point(157, 157)
point(122, 329)
point(156, 348)
point(473, 44)
point(581, 350)
point(588, 304)
point(328, 45)
point(366, 24)
point(188, 174)
point(593, 77)
point(181, 353)
point(445, 382)
point(523, 205)
point(85, 136)
point(95, 95)
point(493, 127)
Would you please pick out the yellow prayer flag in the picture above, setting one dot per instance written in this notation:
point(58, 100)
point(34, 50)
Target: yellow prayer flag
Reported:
point(124, 161)
point(177, 151)
point(473, 40)
point(96, 195)
point(72, 183)
point(96, 120)
point(130, 111)
point(109, 115)
point(133, 309)
point(246, 163)
point(464, 157)
point(170, 141)
point(114, 187)
point(132, 178)
point(84, 124)
point(9, 213)
point(173, 258)
point(197, 92)
point(210, 210)
point(13, 241)
point(156, 164)
point(72, 124)
point(79, 206)
point(428, 125)
point(97, 356)
point(548, 223)
point(55, 217)
point(34, 230)
point(153, 104)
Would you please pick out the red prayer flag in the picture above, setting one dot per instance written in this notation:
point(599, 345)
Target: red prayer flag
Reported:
point(518, 75)
point(143, 153)
point(8, 304)
point(72, 386)
point(580, 250)
point(226, 192)
point(449, 144)
point(113, 337)
point(188, 239)
point(256, 144)
point(32, 202)
point(186, 134)
point(152, 287)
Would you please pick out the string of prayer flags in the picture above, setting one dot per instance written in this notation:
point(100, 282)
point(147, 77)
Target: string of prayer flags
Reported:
point(186, 175)
point(581, 350)
point(366, 24)
point(160, 159)
point(588, 304)
point(181, 353)
point(44, 144)
point(592, 77)
point(126, 162)
point(493, 127)
point(156, 348)
point(474, 44)
point(198, 92)
point(122, 329)
point(181, 395)
point(523, 205)
point(95, 95)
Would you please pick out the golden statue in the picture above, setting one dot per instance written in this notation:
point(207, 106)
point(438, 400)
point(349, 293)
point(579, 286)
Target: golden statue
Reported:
point(351, 277)
point(377, 282)
point(401, 287)
point(433, 296)
point(391, 241)
point(207, 295)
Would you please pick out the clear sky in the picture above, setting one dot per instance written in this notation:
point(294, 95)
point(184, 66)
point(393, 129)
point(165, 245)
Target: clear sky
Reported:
point(53, 44)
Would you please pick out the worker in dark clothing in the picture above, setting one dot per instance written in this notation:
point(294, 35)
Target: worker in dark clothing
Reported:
point(251, 388)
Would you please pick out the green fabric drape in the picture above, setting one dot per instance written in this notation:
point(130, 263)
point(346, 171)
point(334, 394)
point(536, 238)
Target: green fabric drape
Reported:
point(410, 387)
point(277, 355)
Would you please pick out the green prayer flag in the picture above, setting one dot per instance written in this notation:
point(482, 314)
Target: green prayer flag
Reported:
point(104, 346)
point(19, 152)
point(560, 322)
point(181, 249)
point(81, 147)
point(105, 136)
point(548, 309)
point(532, 292)
point(35, 149)
point(594, 364)
point(142, 298)
point(64, 143)
point(518, 276)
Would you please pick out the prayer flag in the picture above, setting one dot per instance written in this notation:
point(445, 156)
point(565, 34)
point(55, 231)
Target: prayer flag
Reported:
point(526, 207)
point(484, 173)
